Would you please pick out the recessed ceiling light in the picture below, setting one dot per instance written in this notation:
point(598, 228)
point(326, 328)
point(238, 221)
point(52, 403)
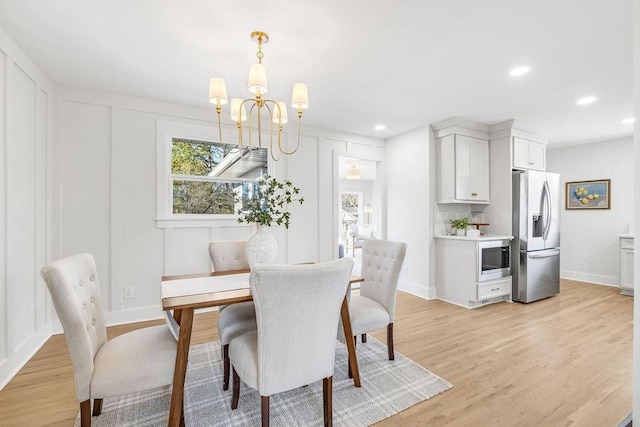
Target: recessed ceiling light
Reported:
point(586, 100)
point(379, 127)
point(518, 71)
point(628, 121)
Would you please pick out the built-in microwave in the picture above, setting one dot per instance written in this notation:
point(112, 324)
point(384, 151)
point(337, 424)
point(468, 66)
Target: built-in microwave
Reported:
point(494, 258)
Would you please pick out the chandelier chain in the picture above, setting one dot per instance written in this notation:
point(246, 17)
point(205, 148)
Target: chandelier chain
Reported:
point(260, 55)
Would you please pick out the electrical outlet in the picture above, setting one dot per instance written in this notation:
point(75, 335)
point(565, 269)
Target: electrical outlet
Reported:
point(128, 292)
point(582, 266)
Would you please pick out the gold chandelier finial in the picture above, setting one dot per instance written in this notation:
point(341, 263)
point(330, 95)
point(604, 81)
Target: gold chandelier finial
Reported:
point(275, 110)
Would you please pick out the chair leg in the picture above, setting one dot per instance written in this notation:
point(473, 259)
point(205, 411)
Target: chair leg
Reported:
point(85, 413)
point(226, 363)
point(265, 410)
point(390, 341)
point(236, 390)
point(327, 400)
point(355, 341)
point(97, 407)
point(182, 424)
point(364, 338)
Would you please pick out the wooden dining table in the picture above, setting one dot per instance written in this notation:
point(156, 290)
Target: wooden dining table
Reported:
point(185, 293)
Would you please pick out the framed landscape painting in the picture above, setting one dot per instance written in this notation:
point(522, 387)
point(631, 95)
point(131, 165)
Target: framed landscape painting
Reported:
point(589, 194)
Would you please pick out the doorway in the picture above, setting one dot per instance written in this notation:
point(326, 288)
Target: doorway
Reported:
point(359, 196)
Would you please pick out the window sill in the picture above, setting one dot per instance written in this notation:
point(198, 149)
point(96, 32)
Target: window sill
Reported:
point(199, 221)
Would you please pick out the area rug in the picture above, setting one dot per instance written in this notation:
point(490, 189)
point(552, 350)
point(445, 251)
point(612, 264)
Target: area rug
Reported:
point(388, 387)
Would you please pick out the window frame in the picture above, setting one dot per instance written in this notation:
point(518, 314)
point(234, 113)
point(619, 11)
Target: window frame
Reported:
point(166, 132)
point(359, 197)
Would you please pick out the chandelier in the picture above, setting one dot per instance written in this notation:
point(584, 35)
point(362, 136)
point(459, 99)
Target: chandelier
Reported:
point(353, 172)
point(273, 111)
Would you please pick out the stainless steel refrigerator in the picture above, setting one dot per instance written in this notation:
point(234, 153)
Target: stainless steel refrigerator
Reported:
point(535, 250)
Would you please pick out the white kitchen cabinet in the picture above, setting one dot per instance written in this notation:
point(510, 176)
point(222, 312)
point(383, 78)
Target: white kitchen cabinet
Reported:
point(487, 291)
point(529, 154)
point(626, 264)
point(463, 165)
point(457, 278)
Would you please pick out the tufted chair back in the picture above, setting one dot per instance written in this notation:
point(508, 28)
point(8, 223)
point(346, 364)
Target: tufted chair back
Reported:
point(229, 255)
point(381, 264)
point(297, 311)
point(73, 285)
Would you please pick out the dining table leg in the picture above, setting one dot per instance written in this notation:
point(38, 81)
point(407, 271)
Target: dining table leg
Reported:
point(348, 338)
point(180, 371)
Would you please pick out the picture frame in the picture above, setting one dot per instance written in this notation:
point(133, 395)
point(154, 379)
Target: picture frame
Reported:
point(593, 194)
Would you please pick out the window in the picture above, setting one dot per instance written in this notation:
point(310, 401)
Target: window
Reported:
point(207, 176)
point(350, 208)
point(199, 177)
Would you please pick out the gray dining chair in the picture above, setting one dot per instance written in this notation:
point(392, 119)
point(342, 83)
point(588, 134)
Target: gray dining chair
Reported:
point(374, 307)
point(297, 312)
point(235, 319)
point(136, 361)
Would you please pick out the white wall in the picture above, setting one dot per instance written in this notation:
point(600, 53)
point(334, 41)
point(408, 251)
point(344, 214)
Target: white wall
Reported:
point(409, 208)
point(590, 236)
point(25, 135)
point(105, 187)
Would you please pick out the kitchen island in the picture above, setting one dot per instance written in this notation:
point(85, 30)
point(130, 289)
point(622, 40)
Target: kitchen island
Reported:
point(459, 271)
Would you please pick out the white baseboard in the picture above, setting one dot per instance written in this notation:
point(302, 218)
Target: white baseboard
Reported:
point(597, 279)
point(9, 367)
point(455, 303)
point(417, 290)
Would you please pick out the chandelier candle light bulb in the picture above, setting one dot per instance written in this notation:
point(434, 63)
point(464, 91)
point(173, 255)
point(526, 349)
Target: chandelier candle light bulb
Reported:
point(258, 79)
point(217, 91)
point(300, 97)
point(277, 110)
point(236, 109)
point(280, 115)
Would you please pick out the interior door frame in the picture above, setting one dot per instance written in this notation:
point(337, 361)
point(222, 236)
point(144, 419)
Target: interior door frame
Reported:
point(378, 193)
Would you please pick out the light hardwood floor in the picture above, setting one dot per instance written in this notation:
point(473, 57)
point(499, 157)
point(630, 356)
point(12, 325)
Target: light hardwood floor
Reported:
point(563, 361)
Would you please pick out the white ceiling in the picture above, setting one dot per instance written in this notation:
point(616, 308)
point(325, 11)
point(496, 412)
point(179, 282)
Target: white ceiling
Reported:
point(402, 63)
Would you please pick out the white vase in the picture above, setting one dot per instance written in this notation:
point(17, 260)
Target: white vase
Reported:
point(261, 247)
point(461, 231)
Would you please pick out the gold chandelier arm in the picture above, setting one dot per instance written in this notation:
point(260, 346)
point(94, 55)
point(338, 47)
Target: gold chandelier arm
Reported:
point(218, 111)
point(279, 142)
point(275, 105)
point(271, 133)
point(297, 145)
point(249, 116)
point(260, 103)
point(239, 124)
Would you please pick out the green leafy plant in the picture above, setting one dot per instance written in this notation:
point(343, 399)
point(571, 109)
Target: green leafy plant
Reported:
point(268, 205)
point(459, 224)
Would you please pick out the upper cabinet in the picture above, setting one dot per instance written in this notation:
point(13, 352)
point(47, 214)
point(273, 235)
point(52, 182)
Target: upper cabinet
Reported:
point(528, 154)
point(463, 166)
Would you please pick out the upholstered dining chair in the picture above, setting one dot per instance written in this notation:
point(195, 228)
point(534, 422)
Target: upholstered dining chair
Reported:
point(297, 312)
point(374, 308)
point(136, 361)
point(235, 319)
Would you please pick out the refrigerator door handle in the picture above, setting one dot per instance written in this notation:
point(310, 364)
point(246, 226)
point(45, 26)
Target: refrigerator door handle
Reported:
point(546, 197)
point(546, 254)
